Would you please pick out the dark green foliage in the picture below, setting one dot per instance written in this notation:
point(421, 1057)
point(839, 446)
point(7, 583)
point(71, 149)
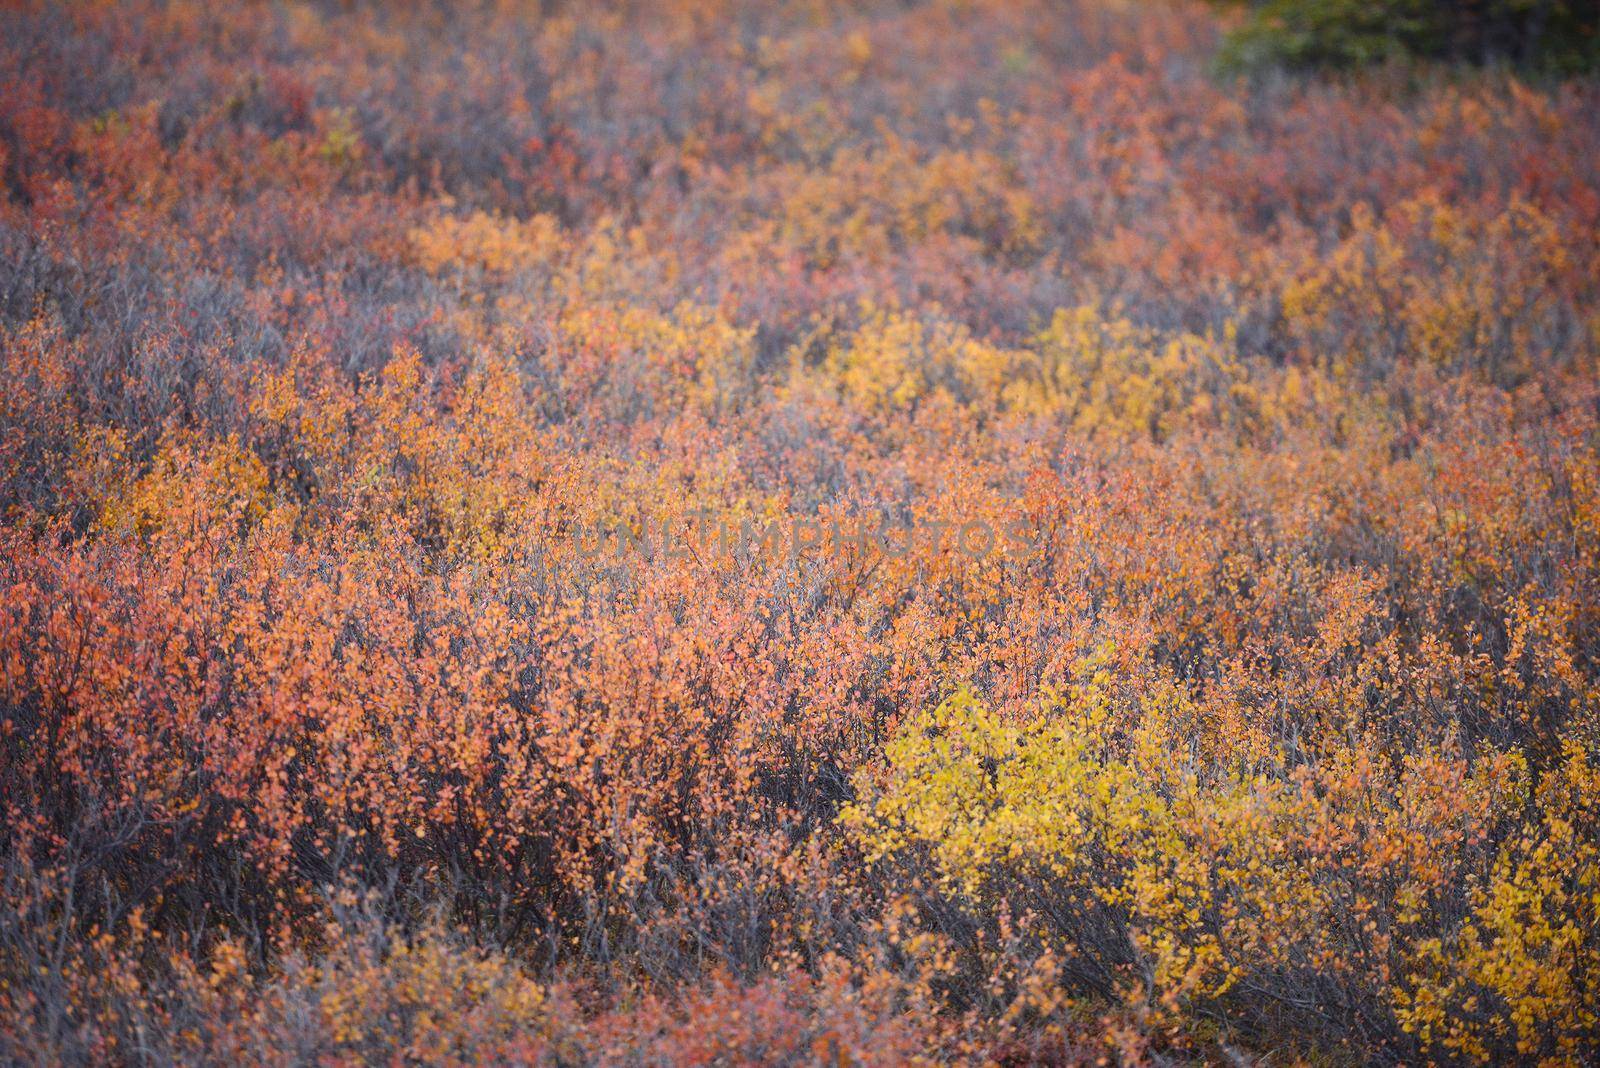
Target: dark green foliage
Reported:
point(1561, 36)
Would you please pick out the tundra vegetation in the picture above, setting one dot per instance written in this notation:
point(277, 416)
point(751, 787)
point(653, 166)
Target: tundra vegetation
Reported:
point(326, 328)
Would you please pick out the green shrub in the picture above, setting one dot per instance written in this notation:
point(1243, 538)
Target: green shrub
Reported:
point(1561, 36)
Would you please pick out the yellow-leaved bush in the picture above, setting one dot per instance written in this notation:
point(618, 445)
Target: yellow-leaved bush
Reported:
point(1355, 890)
point(1521, 976)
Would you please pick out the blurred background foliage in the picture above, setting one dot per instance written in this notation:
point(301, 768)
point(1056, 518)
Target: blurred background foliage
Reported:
point(1560, 36)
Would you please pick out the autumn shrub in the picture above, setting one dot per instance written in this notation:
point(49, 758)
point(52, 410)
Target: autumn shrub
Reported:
point(835, 532)
point(1290, 899)
point(374, 991)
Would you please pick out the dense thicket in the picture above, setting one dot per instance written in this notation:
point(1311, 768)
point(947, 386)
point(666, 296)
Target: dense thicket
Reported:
point(1265, 724)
